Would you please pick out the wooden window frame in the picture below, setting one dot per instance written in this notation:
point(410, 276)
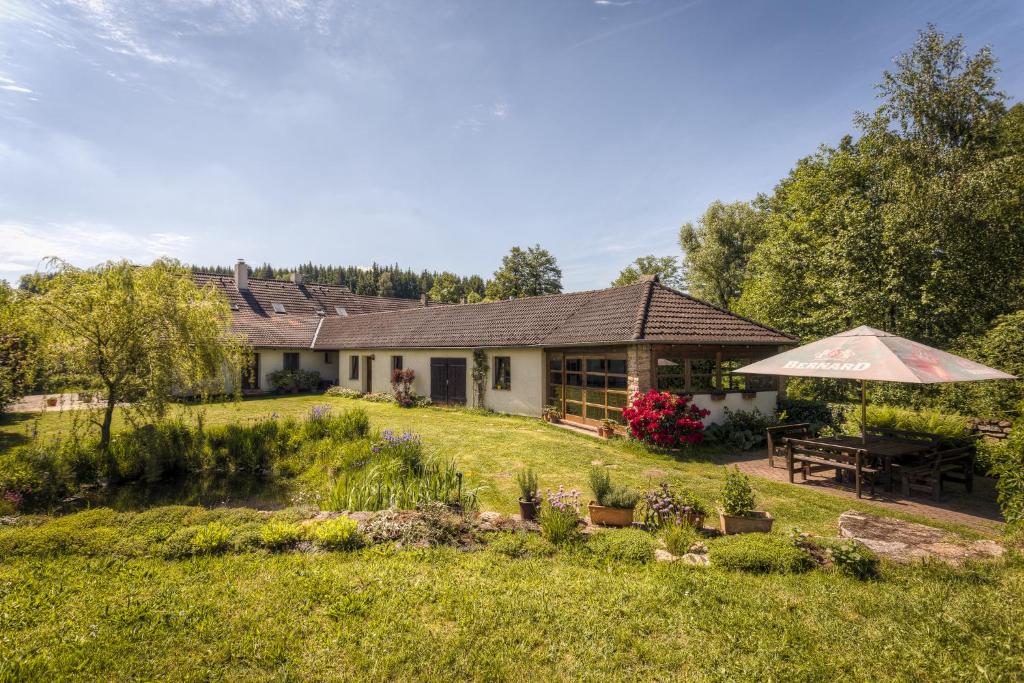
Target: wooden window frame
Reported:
point(353, 367)
point(287, 356)
point(500, 361)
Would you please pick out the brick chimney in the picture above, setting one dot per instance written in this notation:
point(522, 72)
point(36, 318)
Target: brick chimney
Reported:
point(241, 275)
point(296, 278)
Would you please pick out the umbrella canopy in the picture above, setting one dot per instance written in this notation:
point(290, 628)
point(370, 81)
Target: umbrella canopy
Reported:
point(865, 353)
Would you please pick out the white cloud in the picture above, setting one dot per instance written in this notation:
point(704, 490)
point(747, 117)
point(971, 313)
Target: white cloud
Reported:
point(24, 247)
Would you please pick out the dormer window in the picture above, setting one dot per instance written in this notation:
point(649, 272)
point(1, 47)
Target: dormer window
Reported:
point(278, 308)
point(340, 310)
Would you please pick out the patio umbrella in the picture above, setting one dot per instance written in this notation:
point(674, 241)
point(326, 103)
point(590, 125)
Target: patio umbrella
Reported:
point(865, 353)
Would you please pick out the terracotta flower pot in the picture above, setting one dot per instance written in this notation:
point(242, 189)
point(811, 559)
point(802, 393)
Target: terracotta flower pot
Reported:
point(756, 522)
point(51, 401)
point(605, 433)
point(528, 510)
point(606, 516)
point(749, 394)
point(717, 396)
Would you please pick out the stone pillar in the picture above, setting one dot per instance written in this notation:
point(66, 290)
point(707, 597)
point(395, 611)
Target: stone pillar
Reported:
point(640, 367)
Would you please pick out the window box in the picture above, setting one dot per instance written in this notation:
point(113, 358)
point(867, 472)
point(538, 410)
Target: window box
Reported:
point(717, 395)
point(749, 394)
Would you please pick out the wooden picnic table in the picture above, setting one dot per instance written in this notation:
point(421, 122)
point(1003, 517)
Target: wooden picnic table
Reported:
point(886, 449)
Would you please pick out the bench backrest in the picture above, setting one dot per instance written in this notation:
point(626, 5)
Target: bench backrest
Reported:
point(827, 451)
point(779, 432)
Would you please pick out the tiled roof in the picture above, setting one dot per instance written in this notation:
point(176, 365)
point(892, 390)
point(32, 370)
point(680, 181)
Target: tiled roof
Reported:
point(305, 305)
point(643, 311)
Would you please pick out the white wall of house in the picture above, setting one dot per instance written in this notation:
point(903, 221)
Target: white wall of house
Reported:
point(273, 359)
point(765, 402)
point(525, 397)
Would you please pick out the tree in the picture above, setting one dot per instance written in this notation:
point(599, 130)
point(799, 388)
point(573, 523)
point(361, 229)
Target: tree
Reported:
point(665, 267)
point(530, 272)
point(17, 348)
point(447, 289)
point(135, 335)
point(386, 284)
point(716, 251)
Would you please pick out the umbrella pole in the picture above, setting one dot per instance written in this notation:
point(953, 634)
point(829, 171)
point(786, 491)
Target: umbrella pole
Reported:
point(863, 411)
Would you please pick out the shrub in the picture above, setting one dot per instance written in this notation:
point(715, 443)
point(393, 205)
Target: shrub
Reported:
point(401, 386)
point(560, 516)
point(954, 429)
point(293, 380)
point(665, 505)
point(379, 397)
point(759, 553)
point(1010, 485)
point(343, 392)
point(737, 495)
point(819, 414)
point(279, 535)
point(608, 494)
point(307, 380)
point(665, 420)
point(211, 539)
point(340, 533)
point(520, 544)
point(157, 451)
point(679, 538)
point(345, 426)
point(527, 482)
point(34, 475)
point(854, 559)
point(625, 545)
point(741, 430)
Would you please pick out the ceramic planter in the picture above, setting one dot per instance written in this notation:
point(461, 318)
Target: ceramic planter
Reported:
point(528, 509)
point(606, 516)
point(605, 432)
point(756, 522)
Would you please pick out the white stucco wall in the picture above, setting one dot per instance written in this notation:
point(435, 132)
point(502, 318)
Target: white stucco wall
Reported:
point(273, 359)
point(765, 402)
point(526, 397)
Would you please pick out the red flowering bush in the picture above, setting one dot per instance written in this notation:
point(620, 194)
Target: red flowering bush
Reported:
point(665, 419)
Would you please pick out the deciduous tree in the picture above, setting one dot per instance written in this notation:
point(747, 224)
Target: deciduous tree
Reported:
point(526, 272)
point(665, 267)
point(716, 251)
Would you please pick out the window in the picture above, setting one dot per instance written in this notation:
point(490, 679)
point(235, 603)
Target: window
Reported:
point(327, 357)
point(278, 308)
point(291, 361)
point(502, 372)
point(340, 310)
point(396, 363)
point(705, 375)
point(353, 367)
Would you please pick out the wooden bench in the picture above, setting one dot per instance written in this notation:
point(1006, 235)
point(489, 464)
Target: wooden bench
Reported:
point(954, 464)
point(777, 439)
point(806, 454)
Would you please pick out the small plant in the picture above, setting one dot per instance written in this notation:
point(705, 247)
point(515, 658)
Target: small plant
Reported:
point(760, 554)
point(854, 559)
point(344, 392)
point(737, 495)
point(560, 516)
point(679, 538)
point(527, 482)
point(608, 494)
point(664, 506)
point(551, 413)
point(340, 533)
point(279, 535)
point(211, 539)
point(520, 544)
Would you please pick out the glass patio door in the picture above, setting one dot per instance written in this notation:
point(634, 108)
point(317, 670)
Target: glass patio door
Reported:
point(589, 388)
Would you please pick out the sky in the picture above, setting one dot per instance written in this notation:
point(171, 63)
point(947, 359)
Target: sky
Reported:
point(432, 134)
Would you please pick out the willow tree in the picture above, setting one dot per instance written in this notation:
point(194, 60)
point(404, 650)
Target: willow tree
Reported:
point(137, 336)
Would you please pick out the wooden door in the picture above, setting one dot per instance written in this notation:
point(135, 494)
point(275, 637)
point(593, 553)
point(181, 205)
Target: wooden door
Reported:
point(368, 374)
point(448, 380)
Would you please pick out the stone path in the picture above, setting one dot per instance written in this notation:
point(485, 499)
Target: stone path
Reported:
point(977, 510)
point(908, 542)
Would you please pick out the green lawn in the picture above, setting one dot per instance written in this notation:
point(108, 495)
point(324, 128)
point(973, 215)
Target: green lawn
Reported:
point(83, 599)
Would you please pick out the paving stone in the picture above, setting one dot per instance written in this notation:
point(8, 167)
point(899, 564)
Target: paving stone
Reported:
point(908, 541)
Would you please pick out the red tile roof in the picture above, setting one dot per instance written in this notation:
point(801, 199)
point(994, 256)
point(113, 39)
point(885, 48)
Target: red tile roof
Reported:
point(643, 311)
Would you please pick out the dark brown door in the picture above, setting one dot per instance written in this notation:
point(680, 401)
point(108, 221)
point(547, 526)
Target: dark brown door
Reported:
point(368, 375)
point(448, 380)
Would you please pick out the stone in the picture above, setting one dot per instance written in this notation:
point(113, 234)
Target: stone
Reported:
point(698, 559)
point(662, 555)
point(902, 541)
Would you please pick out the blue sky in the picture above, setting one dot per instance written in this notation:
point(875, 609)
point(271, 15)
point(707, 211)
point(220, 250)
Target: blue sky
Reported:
point(434, 134)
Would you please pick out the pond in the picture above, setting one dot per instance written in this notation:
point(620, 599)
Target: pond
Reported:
point(211, 490)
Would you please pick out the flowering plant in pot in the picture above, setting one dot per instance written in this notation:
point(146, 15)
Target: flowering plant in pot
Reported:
point(615, 504)
point(664, 506)
point(529, 496)
point(552, 414)
point(664, 419)
point(737, 514)
point(607, 429)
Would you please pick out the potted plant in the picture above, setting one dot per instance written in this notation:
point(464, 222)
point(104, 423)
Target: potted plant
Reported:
point(614, 505)
point(717, 395)
point(737, 514)
point(607, 429)
point(51, 401)
point(529, 497)
point(551, 414)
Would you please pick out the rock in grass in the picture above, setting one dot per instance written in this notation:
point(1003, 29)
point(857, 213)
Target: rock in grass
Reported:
point(902, 541)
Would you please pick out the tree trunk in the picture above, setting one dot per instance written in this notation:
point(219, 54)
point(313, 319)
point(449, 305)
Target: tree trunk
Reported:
point(108, 417)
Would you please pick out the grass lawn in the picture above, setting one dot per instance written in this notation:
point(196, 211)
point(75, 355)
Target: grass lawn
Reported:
point(76, 605)
point(490, 449)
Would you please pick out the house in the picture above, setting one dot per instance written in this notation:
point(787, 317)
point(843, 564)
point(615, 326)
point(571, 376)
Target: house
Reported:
point(583, 352)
